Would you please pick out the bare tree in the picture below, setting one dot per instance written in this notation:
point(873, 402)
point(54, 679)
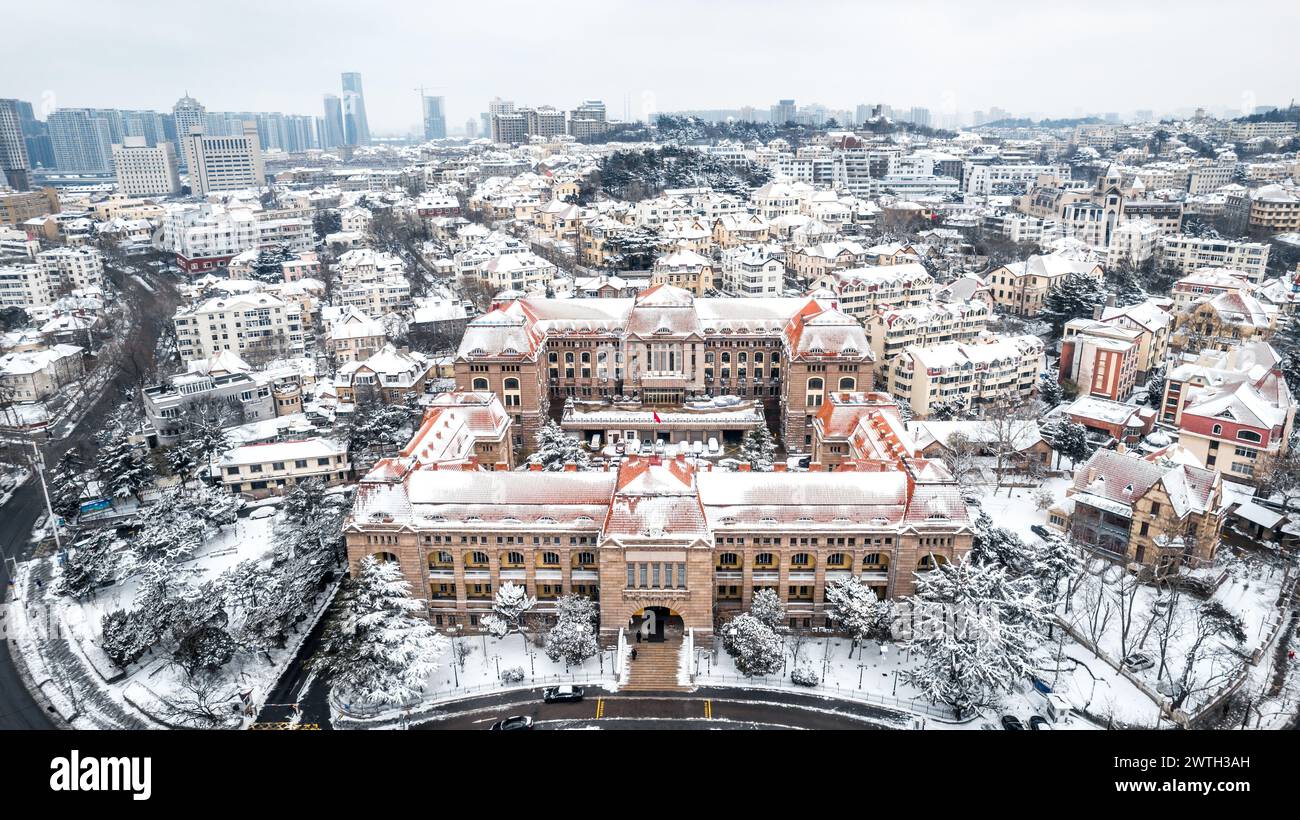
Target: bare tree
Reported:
point(1125, 591)
point(1004, 432)
point(203, 701)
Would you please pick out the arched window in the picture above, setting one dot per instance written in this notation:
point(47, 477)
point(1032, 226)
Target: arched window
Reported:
point(837, 559)
point(728, 559)
point(726, 358)
point(801, 559)
point(480, 384)
point(477, 559)
point(929, 562)
point(815, 388)
point(758, 357)
point(1217, 429)
point(874, 560)
point(1249, 435)
point(511, 391)
point(551, 558)
point(515, 558)
point(765, 559)
point(385, 557)
point(440, 559)
point(585, 559)
point(848, 383)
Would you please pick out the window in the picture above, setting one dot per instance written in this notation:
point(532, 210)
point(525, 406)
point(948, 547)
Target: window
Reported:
point(551, 558)
point(815, 391)
point(728, 559)
point(511, 391)
point(478, 559)
point(515, 558)
point(480, 384)
point(765, 560)
point(1249, 435)
point(848, 383)
point(586, 558)
point(801, 559)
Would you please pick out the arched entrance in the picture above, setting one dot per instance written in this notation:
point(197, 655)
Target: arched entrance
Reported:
point(656, 624)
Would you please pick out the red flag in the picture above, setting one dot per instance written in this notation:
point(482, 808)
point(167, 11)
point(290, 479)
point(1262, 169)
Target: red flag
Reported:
point(657, 421)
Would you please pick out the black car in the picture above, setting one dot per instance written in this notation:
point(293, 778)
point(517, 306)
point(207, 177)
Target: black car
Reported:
point(563, 694)
point(510, 724)
point(1038, 722)
point(1040, 531)
point(1012, 723)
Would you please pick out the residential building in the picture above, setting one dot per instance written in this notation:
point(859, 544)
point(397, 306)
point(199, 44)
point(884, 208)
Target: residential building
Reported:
point(253, 324)
point(893, 330)
point(19, 206)
point(274, 468)
point(1111, 420)
point(1229, 426)
point(686, 269)
point(26, 286)
point(70, 269)
point(753, 270)
point(1100, 359)
point(1191, 253)
point(390, 375)
point(996, 370)
point(15, 166)
point(83, 139)
point(35, 375)
point(860, 291)
point(1022, 287)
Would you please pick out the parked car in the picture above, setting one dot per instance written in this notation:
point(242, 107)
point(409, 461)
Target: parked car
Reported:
point(563, 694)
point(1038, 723)
point(512, 723)
point(1138, 661)
point(1040, 531)
point(1012, 723)
point(647, 448)
point(697, 447)
point(714, 449)
point(620, 447)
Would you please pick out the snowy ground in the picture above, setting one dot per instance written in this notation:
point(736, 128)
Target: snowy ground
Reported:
point(1018, 509)
point(873, 673)
point(15, 476)
point(1251, 592)
point(88, 687)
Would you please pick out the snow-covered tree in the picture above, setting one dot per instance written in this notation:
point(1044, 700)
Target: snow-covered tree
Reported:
point(206, 649)
point(91, 563)
point(1156, 388)
point(509, 608)
point(1213, 621)
point(67, 484)
point(758, 448)
point(376, 426)
point(572, 640)
point(755, 647)
point(976, 630)
point(1069, 439)
point(376, 646)
point(123, 471)
point(555, 448)
point(767, 607)
point(856, 609)
point(1049, 390)
point(961, 456)
point(1075, 297)
point(121, 638)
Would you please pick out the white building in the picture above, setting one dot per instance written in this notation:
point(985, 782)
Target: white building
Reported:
point(25, 286)
point(146, 171)
point(73, 268)
point(225, 163)
point(753, 270)
point(207, 236)
point(1188, 253)
point(253, 323)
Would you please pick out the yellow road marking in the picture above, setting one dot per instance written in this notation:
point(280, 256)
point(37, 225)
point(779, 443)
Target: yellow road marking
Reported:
point(600, 708)
point(708, 710)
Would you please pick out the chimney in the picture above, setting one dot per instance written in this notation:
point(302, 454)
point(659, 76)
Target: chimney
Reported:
point(778, 467)
point(570, 467)
point(743, 468)
point(1121, 448)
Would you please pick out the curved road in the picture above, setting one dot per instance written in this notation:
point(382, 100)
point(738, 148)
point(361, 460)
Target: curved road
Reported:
point(153, 302)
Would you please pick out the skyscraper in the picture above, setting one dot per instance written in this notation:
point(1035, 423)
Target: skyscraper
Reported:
point(783, 112)
point(83, 140)
point(356, 131)
point(226, 163)
point(332, 132)
point(14, 165)
point(187, 114)
point(435, 118)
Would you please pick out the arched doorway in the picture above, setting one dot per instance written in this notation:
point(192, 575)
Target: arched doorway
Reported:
point(657, 624)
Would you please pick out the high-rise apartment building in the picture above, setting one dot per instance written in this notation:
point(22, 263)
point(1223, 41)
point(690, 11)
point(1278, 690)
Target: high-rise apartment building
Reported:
point(187, 114)
point(14, 165)
point(332, 130)
point(83, 139)
point(783, 112)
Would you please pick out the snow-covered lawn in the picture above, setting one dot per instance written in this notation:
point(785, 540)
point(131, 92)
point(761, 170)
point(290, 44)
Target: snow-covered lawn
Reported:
point(872, 673)
point(1018, 510)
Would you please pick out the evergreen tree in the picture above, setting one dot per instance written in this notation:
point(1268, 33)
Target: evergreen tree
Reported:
point(767, 607)
point(754, 647)
point(92, 562)
point(67, 485)
point(1049, 390)
point(856, 609)
point(1070, 439)
point(120, 638)
point(1156, 388)
point(555, 448)
point(573, 637)
point(758, 448)
point(511, 604)
point(977, 633)
point(376, 645)
point(1077, 296)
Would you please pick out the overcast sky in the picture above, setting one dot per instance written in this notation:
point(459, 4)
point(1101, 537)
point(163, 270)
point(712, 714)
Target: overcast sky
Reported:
point(1040, 58)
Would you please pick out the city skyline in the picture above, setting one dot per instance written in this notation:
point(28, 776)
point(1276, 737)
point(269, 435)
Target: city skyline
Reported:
point(954, 76)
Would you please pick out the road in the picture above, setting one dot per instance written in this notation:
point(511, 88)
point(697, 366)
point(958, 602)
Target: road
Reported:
point(703, 709)
point(153, 304)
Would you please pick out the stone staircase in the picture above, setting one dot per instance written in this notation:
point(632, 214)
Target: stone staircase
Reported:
point(655, 668)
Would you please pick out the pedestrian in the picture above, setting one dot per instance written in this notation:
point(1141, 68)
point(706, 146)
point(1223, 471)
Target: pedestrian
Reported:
point(634, 653)
point(638, 636)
